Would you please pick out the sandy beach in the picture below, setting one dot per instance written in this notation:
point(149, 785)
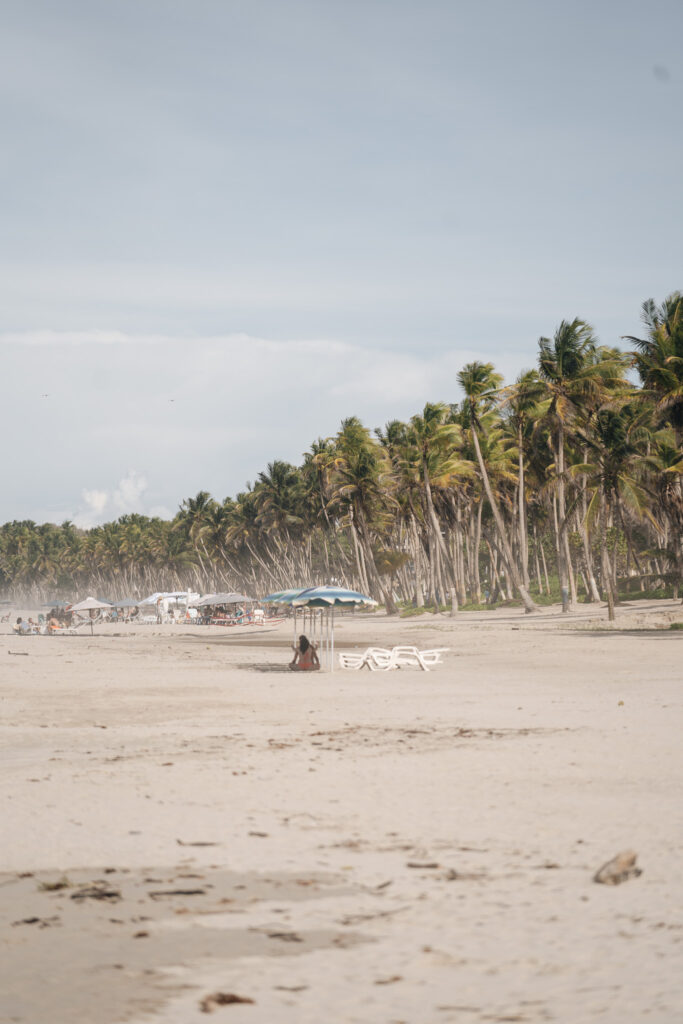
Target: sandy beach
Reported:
point(183, 817)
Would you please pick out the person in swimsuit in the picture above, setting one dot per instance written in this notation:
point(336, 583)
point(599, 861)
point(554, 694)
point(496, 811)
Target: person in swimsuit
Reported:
point(305, 657)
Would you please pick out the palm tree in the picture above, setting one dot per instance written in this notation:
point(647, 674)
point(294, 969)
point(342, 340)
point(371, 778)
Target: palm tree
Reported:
point(362, 478)
point(523, 403)
point(659, 358)
point(576, 374)
point(481, 383)
point(666, 463)
point(613, 444)
point(434, 439)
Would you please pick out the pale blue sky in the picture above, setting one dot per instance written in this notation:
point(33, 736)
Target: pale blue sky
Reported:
point(281, 213)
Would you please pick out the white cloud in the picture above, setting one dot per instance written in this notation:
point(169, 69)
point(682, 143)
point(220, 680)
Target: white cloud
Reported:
point(99, 506)
point(92, 511)
point(128, 494)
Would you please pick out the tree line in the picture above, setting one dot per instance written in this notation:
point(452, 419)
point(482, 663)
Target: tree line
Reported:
point(562, 485)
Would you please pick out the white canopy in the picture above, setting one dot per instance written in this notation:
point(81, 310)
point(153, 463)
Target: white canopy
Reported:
point(210, 599)
point(90, 602)
point(164, 595)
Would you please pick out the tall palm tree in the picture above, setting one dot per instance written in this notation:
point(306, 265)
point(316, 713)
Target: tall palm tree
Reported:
point(362, 485)
point(614, 470)
point(576, 374)
point(523, 401)
point(481, 383)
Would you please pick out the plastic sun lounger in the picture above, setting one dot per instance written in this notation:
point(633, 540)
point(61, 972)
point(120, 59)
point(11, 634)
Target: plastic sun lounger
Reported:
point(379, 659)
point(408, 656)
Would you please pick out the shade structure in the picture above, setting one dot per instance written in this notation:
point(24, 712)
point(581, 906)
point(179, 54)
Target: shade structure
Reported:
point(88, 604)
point(125, 602)
point(326, 599)
point(210, 599)
point(169, 595)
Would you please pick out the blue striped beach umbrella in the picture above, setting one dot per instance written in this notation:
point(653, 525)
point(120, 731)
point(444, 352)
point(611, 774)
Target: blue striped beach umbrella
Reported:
point(328, 597)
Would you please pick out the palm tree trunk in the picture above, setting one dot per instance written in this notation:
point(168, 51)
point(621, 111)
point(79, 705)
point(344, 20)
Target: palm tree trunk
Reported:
point(523, 538)
point(606, 569)
point(560, 515)
point(536, 562)
point(529, 605)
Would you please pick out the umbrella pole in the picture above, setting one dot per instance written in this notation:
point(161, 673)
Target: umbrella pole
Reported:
point(327, 638)
point(332, 639)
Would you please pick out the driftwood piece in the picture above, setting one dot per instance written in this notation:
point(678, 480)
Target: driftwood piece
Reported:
point(619, 869)
point(97, 892)
point(209, 1003)
point(159, 893)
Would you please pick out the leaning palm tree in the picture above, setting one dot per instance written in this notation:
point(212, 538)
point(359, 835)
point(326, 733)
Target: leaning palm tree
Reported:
point(481, 383)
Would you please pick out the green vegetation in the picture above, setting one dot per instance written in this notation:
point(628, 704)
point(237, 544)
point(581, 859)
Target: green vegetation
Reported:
point(565, 486)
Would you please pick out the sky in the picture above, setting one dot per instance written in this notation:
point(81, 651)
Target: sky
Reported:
point(229, 224)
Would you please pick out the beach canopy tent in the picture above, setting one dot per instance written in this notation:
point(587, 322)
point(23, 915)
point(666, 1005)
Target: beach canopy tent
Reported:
point(326, 599)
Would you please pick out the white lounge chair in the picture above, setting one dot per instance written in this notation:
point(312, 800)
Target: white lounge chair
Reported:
point(380, 659)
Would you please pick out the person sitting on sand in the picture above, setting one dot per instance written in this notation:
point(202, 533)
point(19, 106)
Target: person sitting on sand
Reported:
point(305, 656)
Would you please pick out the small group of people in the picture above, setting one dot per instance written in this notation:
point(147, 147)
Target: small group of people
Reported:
point(305, 656)
point(25, 626)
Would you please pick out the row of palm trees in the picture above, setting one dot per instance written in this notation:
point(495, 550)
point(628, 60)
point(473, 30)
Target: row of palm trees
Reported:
point(555, 486)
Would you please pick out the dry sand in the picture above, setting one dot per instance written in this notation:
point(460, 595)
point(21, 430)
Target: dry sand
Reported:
point(356, 847)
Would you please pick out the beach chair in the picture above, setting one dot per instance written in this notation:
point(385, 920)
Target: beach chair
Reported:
point(407, 656)
point(376, 659)
point(350, 661)
point(433, 656)
point(6, 618)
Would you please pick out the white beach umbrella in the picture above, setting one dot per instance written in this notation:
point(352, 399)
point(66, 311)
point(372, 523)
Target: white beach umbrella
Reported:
point(90, 602)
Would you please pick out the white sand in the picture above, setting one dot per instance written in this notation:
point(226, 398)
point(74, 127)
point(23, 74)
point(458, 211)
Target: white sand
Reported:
point(535, 753)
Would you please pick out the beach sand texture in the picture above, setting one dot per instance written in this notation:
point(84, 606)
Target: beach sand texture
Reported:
point(182, 817)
